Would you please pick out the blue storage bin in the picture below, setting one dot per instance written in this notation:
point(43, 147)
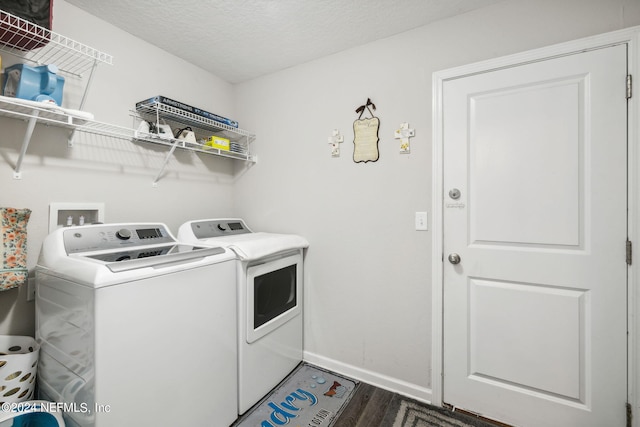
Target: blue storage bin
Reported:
point(41, 83)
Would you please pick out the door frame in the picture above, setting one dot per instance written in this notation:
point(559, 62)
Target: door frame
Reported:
point(630, 36)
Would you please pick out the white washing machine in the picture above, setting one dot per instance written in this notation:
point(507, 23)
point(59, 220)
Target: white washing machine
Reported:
point(136, 328)
point(270, 287)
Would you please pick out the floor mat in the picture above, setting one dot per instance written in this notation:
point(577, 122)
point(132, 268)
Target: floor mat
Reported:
point(309, 396)
point(404, 412)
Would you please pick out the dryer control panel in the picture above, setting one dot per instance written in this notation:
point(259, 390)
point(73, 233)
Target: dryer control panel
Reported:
point(113, 236)
point(218, 227)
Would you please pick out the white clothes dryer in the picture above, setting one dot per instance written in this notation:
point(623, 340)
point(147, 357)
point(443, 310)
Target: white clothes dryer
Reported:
point(136, 328)
point(270, 295)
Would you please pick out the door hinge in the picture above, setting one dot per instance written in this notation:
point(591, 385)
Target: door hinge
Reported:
point(629, 86)
point(629, 415)
point(629, 252)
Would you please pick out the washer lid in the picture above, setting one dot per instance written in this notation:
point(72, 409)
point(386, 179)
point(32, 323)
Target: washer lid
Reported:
point(106, 254)
point(153, 256)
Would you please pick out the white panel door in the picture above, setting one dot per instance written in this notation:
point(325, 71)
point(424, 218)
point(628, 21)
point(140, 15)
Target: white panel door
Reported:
point(535, 315)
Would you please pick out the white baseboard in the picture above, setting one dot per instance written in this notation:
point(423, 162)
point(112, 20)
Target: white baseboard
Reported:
point(395, 385)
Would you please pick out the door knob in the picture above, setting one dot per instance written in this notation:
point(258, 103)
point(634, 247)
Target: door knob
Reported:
point(454, 258)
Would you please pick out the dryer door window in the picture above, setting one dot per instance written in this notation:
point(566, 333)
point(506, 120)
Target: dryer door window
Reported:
point(274, 294)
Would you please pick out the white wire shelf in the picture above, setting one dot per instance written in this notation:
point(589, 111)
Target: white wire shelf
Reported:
point(193, 146)
point(78, 121)
point(156, 111)
point(203, 128)
point(60, 118)
point(41, 46)
point(14, 108)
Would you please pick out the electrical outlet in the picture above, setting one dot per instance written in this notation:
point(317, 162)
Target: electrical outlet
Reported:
point(421, 221)
point(31, 288)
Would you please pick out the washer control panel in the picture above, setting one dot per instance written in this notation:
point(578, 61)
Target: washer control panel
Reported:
point(218, 227)
point(104, 237)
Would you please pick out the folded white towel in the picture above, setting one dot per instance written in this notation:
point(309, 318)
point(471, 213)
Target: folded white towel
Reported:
point(49, 106)
point(251, 246)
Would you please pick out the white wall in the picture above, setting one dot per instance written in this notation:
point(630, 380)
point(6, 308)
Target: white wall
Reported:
point(116, 172)
point(368, 290)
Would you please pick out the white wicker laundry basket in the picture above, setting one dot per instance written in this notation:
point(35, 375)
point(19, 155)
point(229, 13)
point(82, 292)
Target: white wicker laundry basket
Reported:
point(18, 366)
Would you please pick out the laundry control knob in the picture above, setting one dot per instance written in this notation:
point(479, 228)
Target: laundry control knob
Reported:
point(221, 228)
point(123, 234)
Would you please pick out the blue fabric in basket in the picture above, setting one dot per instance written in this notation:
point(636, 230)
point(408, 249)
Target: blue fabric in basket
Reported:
point(35, 419)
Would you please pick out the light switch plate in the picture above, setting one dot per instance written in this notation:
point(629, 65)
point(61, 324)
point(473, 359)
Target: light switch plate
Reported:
point(421, 221)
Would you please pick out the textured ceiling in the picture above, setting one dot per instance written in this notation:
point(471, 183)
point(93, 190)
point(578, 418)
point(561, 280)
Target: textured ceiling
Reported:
point(239, 40)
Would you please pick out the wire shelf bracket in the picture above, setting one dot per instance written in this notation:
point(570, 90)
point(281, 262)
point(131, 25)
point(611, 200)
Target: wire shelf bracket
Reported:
point(41, 46)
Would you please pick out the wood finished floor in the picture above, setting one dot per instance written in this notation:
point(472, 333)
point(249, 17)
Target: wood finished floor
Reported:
point(367, 407)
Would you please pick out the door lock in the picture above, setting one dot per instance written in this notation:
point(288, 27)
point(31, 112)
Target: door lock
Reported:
point(454, 258)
